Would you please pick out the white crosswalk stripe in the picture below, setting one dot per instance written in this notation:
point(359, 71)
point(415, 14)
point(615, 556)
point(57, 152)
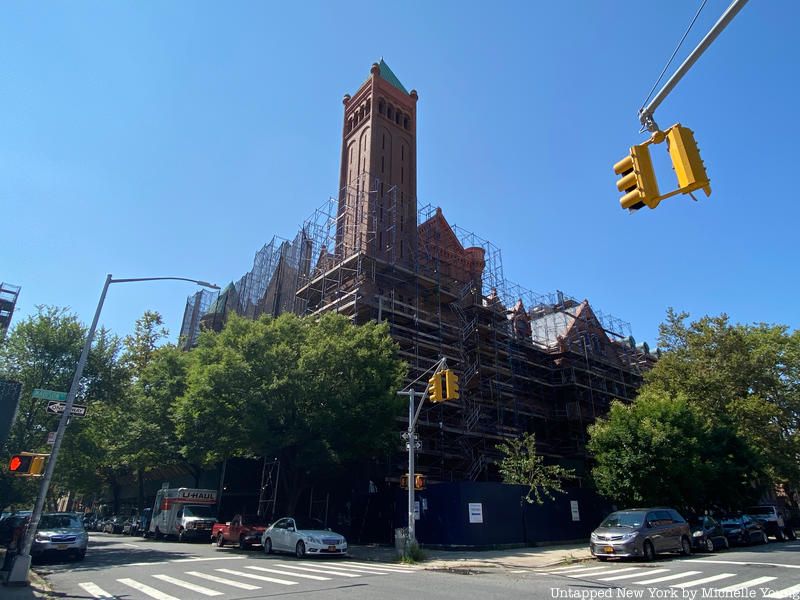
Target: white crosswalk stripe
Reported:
point(696, 582)
point(146, 589)
point(318, 570)
point(258, 577)
point(280, 572)
point(745, 584)
point(223, 580)
point(590, 570)
point(188, 585)
point(367, 570)
point(668, 577)
point(96, 591)
point(640, 573)
point(564, 569)
point(382, 566)
point(785, 593)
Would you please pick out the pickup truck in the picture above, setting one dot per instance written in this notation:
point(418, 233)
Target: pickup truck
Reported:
point(243, 530)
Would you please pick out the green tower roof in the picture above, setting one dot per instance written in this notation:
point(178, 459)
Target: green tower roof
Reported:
point(389, 76)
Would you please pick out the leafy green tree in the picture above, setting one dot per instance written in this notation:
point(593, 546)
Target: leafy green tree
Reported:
point(745, 377)
point(522, 465)
point(305, 391)
point(661, 450)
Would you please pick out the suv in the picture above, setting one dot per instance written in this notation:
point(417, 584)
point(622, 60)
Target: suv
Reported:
point(641, 533)
point(775, 524)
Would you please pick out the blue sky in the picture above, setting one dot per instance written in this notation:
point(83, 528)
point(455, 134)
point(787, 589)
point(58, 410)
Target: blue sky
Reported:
point(176, 138)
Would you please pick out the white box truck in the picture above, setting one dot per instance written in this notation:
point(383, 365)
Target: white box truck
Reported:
point(184, 513)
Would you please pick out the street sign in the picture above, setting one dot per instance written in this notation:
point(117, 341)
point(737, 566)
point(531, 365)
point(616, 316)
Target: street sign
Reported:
point(57, 408)
point(49, 395)
point(51, 438)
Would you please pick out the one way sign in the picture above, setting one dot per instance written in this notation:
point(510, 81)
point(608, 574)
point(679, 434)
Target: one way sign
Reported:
point(57, 408)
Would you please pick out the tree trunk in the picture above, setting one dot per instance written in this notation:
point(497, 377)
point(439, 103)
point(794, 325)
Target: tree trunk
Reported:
point(140, 477)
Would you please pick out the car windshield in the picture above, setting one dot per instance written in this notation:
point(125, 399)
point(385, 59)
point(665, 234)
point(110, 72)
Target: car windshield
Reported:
point(307, 523)
point(624, 519)
point(760, 510)
point(253, 520)
point(60, 522)
point(730, 521)
point(199, 511)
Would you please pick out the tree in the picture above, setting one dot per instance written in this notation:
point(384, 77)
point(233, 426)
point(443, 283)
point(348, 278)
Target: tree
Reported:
point(745, 377)
point(661, 450)
point(317, 394)
point(522, 465)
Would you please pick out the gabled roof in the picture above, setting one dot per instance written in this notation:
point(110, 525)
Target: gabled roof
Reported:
point(389, 76)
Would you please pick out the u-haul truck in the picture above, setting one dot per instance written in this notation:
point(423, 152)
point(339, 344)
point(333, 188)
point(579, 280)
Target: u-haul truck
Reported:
point(185, 513)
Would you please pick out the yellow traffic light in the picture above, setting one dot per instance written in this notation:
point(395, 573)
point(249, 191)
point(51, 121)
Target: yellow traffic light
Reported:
point(638, 179)
point(686, 160)
point(435, 387)
point(419, 482)
point(27, 464)
point(451, 385)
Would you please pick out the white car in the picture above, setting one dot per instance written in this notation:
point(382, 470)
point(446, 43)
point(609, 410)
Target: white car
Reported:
point(303, 537)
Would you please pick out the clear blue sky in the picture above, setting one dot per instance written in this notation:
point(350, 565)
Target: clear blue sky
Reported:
point(176, 138)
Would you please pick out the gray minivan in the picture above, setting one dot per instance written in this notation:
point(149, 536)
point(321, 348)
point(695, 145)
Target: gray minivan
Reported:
point(641, 533)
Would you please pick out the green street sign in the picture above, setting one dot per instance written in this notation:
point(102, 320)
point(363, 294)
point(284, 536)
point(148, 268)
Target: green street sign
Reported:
point(50, 395)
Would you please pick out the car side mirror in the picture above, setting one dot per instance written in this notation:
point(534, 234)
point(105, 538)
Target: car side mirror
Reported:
point(290, 528)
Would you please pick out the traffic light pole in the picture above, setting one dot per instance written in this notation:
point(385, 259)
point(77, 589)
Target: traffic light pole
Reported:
point(646, 114)
point(22, 563)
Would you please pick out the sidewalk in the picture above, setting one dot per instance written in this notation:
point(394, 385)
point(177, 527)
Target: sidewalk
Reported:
point(516, 558)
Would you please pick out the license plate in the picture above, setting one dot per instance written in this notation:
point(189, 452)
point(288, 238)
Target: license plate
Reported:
point(62, 546)
point(331, 548)
point(608, 549)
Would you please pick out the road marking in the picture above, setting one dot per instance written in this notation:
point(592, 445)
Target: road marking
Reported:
point(146, 589)
point(259, 577)
point(301, 575)
point(745, 585)
point(632, 575)
point(131, 545)
point(96, 591)
point(201, 558)
point(189, 586)
point(318, 570)
point(519, 571)
point(668, 577)
point(746, 562)
point(587, 570)
point(230, 582)
point(784, 593)
point(366, 570)
point(695, 582)
point(381, 566)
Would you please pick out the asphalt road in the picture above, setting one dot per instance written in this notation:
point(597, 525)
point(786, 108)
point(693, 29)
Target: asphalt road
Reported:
point(127, 568)
point(771, 571)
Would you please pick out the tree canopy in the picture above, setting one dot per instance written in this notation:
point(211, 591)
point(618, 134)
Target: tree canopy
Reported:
point(522, 465)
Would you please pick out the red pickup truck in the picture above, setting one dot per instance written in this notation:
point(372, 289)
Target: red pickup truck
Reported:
point(243, 530)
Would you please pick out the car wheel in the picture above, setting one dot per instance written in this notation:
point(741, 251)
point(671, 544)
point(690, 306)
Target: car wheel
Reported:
point(764, 538)
point(81, 555)
point(242, 544)
point(268, 546)
point(686, 546)
point(779, 536)
point(220, 540)
point(181, 536)
point(727, 543)
point(300, 549)
point(649, 552)
point(158, 535)
point(710, 545)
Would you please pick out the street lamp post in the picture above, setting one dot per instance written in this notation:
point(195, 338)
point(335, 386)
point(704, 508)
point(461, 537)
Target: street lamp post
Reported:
point(19, 570)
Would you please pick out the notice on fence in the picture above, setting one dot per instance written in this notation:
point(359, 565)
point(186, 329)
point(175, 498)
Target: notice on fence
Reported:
point(475, 512)
point(576, 516)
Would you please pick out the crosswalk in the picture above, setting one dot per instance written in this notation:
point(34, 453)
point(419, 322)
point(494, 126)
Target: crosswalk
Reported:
point(765, 586)
point(218, 581)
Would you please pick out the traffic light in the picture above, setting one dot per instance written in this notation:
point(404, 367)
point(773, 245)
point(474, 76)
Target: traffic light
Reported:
point(638, 179)
point(451, 385)
point(686, 160)
point(435, 387)
point(404, 481)
point(27, 464)
point(419, 482)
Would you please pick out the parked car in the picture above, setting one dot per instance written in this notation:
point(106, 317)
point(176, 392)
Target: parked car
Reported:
point(114, 525)
point(244, 530)
point(60, 533)
point(741, 530)
point(774, 520)
point(303, 537)
point(144, 522)
point(11, 523)
point(130, 526)
point(707, 533)
point(641, 533)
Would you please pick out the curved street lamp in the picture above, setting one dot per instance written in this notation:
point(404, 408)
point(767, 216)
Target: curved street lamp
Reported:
point(19, 571)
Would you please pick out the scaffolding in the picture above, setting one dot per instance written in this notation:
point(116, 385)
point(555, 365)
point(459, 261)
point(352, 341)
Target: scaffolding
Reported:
point(527, 362)
point(8, 301)
point(197, 306)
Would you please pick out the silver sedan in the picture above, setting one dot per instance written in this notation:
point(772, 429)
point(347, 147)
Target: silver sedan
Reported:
point(303, 537)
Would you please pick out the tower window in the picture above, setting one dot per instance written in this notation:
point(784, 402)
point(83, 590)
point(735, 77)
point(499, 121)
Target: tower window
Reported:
point(390, 112)
point(381, 106)
point(397, 117)
point(367, 106)
point(402, 175)
point(383, 142)
point(405, 122)
point(402, 152)
point(382, 163)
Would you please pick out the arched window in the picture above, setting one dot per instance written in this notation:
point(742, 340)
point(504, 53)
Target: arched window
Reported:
point(397, 117)
point(381, 106)
point(350, 124)
point(367, 106)
point(390, 112)
point(405, 121)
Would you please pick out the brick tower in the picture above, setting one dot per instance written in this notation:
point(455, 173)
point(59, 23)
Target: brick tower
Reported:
point(377, 211)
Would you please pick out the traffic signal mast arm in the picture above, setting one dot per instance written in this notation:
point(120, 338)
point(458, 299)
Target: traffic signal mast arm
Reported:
point(646, 117)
